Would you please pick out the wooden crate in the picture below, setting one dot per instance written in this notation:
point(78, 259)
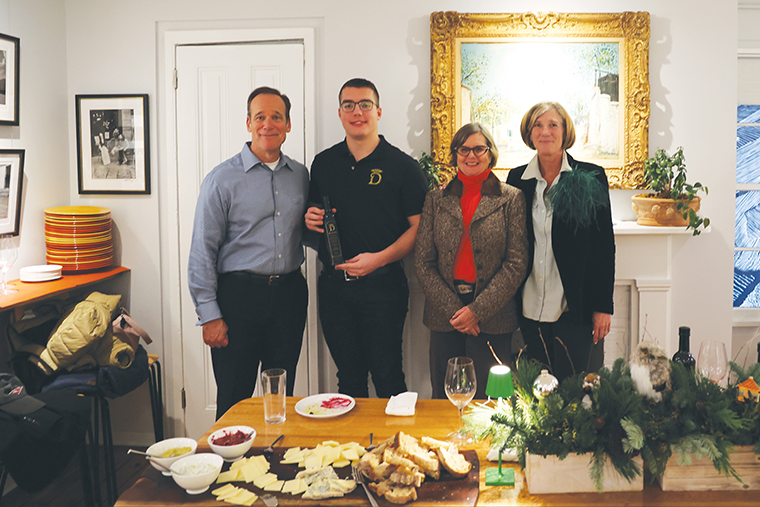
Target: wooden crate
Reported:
point(571, 475)
point(701, 475)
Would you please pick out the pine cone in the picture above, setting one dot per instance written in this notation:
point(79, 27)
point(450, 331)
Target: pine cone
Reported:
point(701, 407)
point(599, 422)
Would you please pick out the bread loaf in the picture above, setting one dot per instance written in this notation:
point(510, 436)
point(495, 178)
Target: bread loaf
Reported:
point(394, 493)
point(400, 464)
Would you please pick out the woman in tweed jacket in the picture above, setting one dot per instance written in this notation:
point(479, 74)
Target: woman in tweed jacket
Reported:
point(471, 257)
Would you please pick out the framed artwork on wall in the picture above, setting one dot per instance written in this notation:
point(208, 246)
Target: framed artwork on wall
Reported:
point(9, 76)
point(12, 173)
point(491, 68)
point(113, 152)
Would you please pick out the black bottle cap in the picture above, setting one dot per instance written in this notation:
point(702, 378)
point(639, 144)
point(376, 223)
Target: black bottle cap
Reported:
point(684, 330)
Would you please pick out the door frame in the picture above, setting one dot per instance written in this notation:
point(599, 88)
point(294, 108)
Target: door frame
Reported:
point(170, 36)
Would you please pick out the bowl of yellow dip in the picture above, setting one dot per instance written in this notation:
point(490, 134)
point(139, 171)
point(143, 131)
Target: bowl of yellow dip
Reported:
point(164, 453)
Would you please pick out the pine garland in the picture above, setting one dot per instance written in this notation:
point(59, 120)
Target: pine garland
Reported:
point(616, 423)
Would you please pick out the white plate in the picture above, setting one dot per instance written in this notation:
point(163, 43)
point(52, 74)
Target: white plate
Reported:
point(43, 273)
point(311, 406)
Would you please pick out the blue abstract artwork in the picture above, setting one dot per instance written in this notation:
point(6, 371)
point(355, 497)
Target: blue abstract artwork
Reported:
point(747, 219)
point(746, 279)
point(748, 114)
point(748, 154)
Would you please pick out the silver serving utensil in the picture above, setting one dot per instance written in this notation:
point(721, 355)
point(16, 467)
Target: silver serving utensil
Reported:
point(269, 451)
point(360, 480)
point(269, 500)
point(134, 451)
point(371, 445)
point(159, 465)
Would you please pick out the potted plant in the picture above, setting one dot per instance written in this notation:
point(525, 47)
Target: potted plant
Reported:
point(674, 201)
point(437, 174)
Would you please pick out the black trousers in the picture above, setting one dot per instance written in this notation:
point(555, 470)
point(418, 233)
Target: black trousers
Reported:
point(266, 324)
point(363, 324)
point(447, 344)
point(579, 353)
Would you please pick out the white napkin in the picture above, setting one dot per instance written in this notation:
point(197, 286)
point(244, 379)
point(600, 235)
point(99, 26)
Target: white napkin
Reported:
point(402, 404)
point(509, 454)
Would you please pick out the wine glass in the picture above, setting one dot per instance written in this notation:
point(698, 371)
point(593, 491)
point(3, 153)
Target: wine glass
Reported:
point(460, 388)
point(8, 256)
point(712, 361)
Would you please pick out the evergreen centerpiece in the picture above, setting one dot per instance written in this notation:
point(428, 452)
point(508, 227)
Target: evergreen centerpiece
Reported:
point(607, 418)
point(674, 201)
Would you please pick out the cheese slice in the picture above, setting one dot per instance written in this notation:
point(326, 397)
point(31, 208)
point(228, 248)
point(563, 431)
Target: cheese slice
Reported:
point(331, 443)
point(341, 463)
point(291, 486)
point(228, 476)
point(291, 451)
point(230, 494)
point(251, 471)
point(239, 464)
point(350, 454)
point(331, 454)
point(275, 486)
point(313, 462)
point(224, 489)
point(244, 497)
point(264, 480)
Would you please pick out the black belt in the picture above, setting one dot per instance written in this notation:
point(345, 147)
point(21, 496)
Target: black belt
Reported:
point(263, 279)
point(464, 287)
point(341, 275)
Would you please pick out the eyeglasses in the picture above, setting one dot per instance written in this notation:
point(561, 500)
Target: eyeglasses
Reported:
point(349, 105)
point(477, 150)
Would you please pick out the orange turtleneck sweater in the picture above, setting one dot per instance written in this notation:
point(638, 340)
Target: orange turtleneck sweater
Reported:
point(464, 267)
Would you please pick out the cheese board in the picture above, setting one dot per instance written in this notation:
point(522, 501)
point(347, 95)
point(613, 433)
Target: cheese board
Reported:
point(445, 491)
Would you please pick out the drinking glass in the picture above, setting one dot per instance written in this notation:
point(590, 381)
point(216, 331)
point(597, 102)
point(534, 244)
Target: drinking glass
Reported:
point(460, 385)
point(275, 385)
point(712, 361)
point(8, 256)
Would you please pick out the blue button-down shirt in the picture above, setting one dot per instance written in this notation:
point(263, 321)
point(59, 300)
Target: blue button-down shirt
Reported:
point(248, 218)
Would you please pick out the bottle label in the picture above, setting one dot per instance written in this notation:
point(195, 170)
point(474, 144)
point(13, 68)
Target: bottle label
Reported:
point(333, 242)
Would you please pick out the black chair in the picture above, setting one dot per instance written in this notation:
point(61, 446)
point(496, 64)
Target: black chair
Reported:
point(35, 460)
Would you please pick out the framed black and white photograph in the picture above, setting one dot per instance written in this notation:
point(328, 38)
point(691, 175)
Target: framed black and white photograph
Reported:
point(12, 174)
point(9, 73)
point(113, 155)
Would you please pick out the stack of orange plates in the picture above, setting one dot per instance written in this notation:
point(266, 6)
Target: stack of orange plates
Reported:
point(79, 237)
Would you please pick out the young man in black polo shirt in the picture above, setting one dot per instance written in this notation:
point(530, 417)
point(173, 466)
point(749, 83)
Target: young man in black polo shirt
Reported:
point(377, 192)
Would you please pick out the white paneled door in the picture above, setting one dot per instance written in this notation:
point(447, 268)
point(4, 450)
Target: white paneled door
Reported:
point(213, 84)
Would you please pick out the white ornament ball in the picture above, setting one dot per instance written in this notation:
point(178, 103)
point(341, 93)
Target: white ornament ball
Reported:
point(544, 384)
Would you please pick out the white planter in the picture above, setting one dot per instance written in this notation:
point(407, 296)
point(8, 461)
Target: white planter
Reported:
point(701, 475)
point(571, 475)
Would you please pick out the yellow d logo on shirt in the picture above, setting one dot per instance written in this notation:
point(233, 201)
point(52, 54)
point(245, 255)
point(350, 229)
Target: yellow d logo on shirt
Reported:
point(375, 176)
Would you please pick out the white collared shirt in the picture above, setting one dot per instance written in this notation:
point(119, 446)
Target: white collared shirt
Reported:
point(543, 295)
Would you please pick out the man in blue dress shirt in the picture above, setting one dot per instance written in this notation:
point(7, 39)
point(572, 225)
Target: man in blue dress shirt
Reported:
point(244, 270)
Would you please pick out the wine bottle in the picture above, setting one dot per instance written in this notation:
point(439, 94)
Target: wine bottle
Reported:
point(331, 234)
point(683, 355)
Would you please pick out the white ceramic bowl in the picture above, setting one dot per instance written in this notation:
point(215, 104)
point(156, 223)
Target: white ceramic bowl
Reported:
point(232, 452)
point(185, 472)
point(164, 445)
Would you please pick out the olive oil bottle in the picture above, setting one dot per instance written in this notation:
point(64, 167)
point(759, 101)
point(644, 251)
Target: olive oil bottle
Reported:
point(331, 234)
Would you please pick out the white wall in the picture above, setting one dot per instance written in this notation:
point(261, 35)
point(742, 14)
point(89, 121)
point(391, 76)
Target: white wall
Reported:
point(96, 46)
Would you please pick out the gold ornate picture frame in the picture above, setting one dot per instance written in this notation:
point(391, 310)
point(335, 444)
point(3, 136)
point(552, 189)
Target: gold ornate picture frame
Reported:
point(596, 65)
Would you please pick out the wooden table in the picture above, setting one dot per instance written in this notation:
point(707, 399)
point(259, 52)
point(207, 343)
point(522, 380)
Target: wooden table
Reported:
point(435, 418)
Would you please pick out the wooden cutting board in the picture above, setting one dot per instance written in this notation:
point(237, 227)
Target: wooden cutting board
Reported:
point(156, 489)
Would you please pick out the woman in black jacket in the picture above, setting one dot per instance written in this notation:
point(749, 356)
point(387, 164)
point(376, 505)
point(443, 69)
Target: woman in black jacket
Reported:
point(567, 296)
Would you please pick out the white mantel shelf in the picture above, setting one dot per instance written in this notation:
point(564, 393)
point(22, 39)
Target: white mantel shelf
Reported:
point(631, 228)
